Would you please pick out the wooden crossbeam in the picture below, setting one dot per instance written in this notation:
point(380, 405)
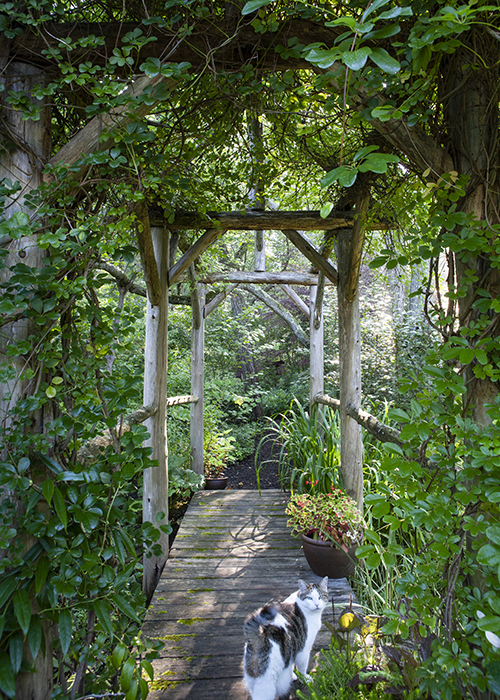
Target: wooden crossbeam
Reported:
point(192, 254)
point(313, 255)
point(262, 220)
point(237, 277)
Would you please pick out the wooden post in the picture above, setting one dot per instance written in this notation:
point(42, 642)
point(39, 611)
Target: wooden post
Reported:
point(21, 160)
point(197, 377)
point(316, 362)
point(155, 490)
point(351, 442)
point(255, 195)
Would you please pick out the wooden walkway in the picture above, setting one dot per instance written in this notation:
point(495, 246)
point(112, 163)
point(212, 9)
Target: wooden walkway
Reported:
point(232, 554)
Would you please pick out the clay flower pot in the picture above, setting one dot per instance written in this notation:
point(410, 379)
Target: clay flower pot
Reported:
point(213, 483)
point(327, 560)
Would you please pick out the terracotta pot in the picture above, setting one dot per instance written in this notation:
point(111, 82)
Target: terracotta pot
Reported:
point(327, 560)
point(213, 483)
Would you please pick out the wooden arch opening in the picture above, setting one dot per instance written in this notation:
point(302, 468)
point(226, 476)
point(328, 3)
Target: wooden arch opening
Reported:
point(348, 227)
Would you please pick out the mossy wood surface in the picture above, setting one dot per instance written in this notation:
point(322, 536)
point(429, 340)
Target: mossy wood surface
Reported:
point(232, 554)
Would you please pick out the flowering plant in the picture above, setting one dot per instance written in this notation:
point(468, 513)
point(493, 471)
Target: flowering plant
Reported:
point(329, 516)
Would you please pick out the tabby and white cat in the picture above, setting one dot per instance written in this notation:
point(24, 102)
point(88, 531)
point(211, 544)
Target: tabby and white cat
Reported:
point(279, 636)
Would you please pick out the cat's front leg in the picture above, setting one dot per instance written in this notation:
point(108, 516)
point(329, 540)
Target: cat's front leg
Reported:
point(301, 664)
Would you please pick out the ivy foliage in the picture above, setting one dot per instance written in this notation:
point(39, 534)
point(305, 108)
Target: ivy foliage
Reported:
point(70, 529)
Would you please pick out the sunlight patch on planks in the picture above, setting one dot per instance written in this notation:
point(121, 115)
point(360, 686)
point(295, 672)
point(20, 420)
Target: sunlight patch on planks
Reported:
point(232, 554)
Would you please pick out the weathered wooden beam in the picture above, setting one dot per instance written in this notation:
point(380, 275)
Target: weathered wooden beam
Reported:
point(88, 139)
point(194, 252)
point(228, 42)
point(146, 250)
point(296, 299)
point(375, 427)
point(240, 277)
point(262, 220)
point(280, 311)
point(318, 304)
point(93, 448)
point(351, 438)
point(196, 428)
point(357, 242)
point(316, 348)
point(181, 400)
point(313, 255)
point(155, 479)
point(218, 299)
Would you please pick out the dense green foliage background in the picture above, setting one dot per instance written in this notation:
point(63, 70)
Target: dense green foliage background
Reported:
point(398, 99)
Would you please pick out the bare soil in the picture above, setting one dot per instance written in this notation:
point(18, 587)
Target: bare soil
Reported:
point(242, 475)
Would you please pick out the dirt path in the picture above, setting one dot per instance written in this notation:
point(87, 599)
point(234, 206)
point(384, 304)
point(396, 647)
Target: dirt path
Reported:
point(242, 475)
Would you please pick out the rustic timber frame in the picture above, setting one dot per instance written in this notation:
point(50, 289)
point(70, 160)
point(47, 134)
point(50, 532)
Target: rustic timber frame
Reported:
point(349, 227)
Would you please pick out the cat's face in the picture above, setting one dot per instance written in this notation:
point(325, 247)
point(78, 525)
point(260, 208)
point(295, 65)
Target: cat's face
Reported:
point(313, 597)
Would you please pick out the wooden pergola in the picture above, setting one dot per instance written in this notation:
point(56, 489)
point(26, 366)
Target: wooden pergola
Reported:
point(153, 240)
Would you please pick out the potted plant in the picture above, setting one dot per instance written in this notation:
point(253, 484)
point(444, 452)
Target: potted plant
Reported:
point(216, 450)
point(331, 528)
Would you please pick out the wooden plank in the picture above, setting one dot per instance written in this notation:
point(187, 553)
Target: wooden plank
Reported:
point(247, 558)
point(262, 220)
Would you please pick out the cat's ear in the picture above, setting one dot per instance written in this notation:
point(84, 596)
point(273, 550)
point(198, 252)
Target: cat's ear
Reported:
point(302, 585)
point(324, 584)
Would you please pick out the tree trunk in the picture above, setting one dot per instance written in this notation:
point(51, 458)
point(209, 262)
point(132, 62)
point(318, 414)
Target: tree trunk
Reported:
point(155, 489)
point(473, 119)
point(24, 164)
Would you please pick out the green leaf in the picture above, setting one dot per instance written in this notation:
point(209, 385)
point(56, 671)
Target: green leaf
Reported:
point(372, 7)
point(7, 585)
point(118, 655)
point(489, 555)
point(323, 58)
point(50, 392)
point(124, 606)
point(60, 507)
point(399, 415)
point(23, 465)
point(127, 674)
point(326, 209)
point(355, 60)
point(16, 652)
point(363, 152)
point(493, 533)
point(102, 611)
point(22, 609)
point(396, 12)
point(377, 162)
point(348, 177)
point(65, 630)
point(35, 635)
point(148, 667)
point(48, 490)
point(466, 355)
point(253, 5)
point(384, 61)
point(42, 570)
point(7, 682)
